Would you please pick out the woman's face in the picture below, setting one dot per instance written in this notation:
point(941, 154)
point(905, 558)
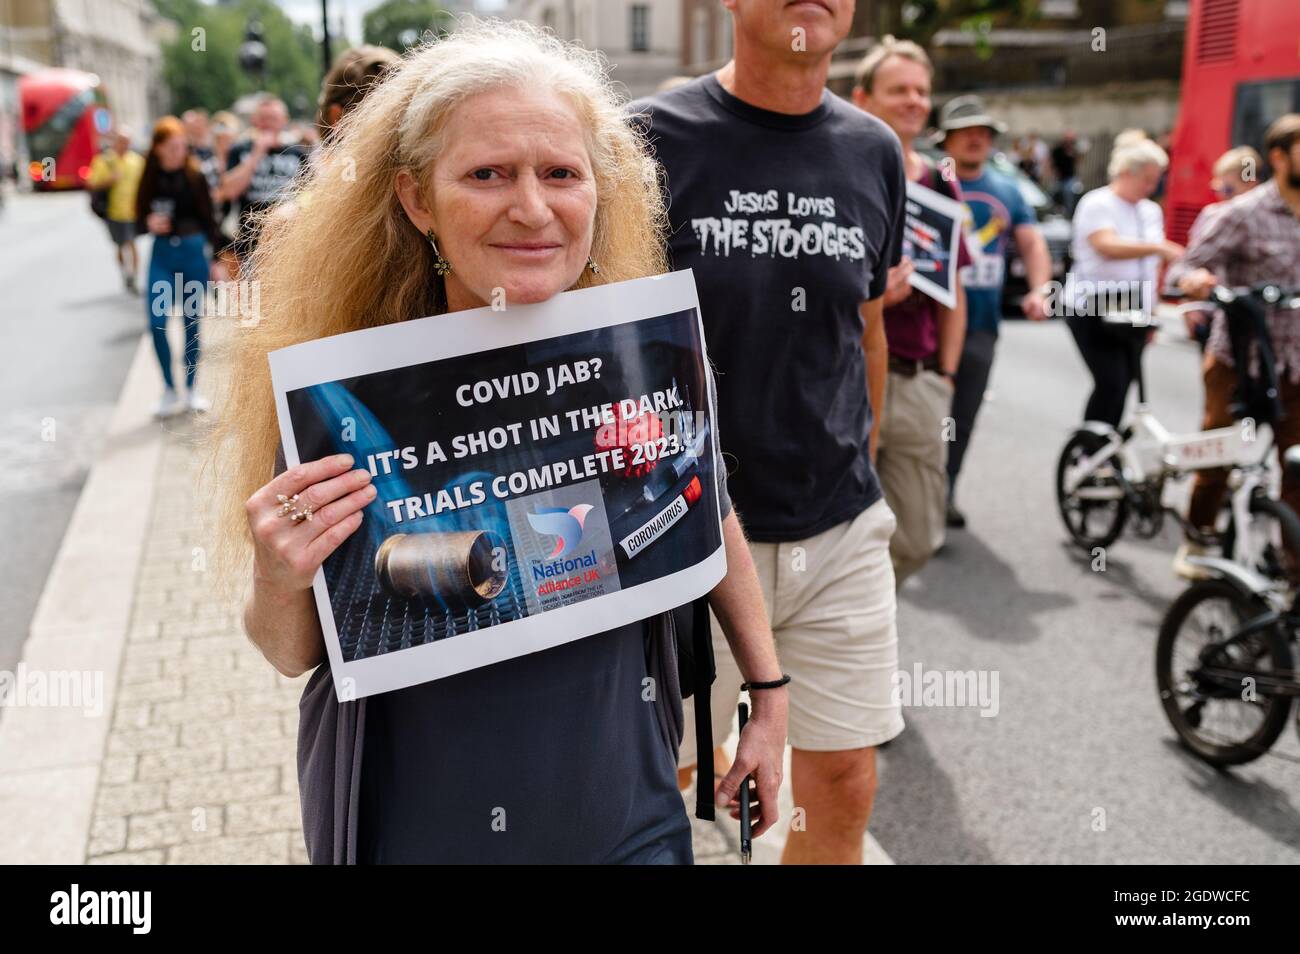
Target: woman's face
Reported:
point(1145, 180)
point(514, 198)
point(172, 152)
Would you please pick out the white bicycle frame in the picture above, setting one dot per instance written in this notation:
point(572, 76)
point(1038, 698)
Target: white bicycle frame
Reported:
point(1152, 452)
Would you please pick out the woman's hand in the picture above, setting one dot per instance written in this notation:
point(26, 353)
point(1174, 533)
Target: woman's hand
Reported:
point(737, 601)
point(1170, 251)
point(761, 753)
point(286, 555)
point(158, 224)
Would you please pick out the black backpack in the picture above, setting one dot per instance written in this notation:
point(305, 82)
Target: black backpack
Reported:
point(1256, 395)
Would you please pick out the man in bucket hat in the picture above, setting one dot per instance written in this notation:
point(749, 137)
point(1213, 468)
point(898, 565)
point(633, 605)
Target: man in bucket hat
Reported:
point(996, 213)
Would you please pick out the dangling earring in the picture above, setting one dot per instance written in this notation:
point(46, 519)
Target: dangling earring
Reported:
point(440, 264)
point(593, 266)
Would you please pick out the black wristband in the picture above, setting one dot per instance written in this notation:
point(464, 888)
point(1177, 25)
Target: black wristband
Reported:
point(774, 684)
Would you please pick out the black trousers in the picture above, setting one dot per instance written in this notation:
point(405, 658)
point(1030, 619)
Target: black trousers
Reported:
point(1112, 360)
point(968, 394)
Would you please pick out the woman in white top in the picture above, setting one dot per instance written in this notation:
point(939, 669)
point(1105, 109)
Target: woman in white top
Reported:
point(1119, 242)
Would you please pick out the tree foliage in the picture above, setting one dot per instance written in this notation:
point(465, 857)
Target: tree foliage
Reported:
point(401, 24)
point(920, 20)
point(201, 65)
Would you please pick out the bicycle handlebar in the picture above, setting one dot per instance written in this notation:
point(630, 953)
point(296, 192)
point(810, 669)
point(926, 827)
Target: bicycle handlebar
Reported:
point(1269, 293)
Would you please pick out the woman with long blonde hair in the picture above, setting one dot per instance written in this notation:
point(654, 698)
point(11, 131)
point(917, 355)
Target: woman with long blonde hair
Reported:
point(496, 159)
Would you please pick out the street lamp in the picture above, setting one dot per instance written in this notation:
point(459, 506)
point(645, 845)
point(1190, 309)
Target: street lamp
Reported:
point(326, 53)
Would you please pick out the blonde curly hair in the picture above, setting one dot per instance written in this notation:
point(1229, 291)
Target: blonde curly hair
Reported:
point(347, 257)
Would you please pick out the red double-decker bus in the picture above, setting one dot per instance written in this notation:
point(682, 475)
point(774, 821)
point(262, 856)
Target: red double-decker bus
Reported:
point(64, 113)
point(1241, 70)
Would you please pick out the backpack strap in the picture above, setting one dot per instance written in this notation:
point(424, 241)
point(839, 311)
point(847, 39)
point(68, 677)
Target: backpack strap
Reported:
point(702, 641)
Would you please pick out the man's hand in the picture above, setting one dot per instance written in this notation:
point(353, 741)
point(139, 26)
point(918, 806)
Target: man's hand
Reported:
point(1194, 320)
point(1198, 284)
point(266, 141)
point(898, 287)
point(1034, 305)
point(761, 753)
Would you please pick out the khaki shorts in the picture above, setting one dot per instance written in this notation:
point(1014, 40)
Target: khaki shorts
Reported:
point(830, 600)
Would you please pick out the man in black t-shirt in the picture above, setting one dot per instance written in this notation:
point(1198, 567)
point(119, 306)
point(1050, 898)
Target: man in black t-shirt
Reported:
point(788, 202)
point(260, 170)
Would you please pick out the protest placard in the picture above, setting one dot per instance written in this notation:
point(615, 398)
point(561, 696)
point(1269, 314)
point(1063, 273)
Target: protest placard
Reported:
point(544, 473)
point(931, 231)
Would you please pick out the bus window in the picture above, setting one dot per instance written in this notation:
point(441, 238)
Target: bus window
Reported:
point(1257, 105)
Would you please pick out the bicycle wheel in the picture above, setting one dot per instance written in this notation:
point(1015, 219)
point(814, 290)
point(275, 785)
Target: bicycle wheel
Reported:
point(1218, 714)
point(1275, 531)
point(1095, 512)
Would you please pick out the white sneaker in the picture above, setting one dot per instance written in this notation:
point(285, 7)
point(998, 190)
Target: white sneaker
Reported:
point(169, 404)
point(1190, 571)
point(198, 402)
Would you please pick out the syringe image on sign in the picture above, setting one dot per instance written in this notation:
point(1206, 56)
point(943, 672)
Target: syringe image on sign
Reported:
point(466, 568)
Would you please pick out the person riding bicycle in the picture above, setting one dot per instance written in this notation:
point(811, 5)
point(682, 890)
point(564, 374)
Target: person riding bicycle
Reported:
point(1254, 238)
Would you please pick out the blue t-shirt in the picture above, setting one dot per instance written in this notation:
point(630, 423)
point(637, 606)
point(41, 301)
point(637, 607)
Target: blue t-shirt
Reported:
point(994, 207)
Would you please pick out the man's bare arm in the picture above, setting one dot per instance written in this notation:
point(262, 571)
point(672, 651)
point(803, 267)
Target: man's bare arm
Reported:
point(876, 348)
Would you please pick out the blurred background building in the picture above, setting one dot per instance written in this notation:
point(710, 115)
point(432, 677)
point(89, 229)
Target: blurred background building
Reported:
point(642, 38)
point(1043, 67)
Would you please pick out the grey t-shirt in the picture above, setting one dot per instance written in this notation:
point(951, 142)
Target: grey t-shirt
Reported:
point(554, 757)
